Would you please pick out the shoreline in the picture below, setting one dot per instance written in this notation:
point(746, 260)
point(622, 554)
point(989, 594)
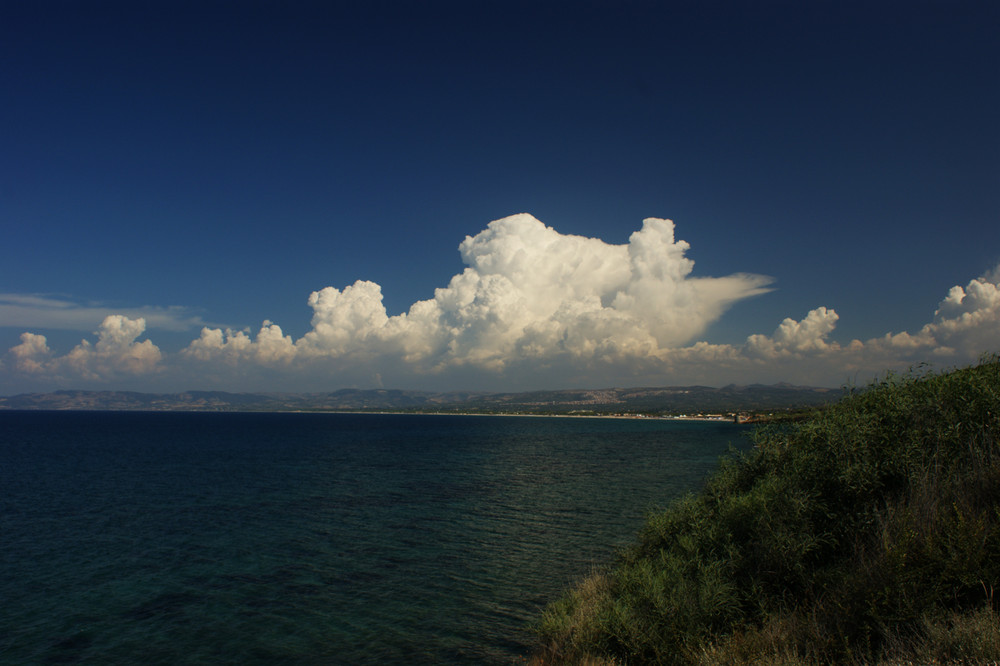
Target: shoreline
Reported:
point(707, 419)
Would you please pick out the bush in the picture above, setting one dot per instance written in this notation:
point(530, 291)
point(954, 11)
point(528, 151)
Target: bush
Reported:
point(852, 536)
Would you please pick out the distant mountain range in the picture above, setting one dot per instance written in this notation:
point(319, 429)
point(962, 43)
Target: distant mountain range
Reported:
point(665, 400)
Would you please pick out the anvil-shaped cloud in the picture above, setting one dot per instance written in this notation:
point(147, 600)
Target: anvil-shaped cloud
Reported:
point(528, 292)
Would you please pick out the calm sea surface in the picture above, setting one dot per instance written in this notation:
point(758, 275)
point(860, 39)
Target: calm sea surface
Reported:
point(315, 538)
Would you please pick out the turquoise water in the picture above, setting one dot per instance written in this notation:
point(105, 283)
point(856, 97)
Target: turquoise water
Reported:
point(315, 538)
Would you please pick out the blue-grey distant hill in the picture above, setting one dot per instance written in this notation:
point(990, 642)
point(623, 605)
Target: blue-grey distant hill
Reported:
point(664, 400)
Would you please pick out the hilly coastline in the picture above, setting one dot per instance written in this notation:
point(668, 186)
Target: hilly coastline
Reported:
point(661, 401)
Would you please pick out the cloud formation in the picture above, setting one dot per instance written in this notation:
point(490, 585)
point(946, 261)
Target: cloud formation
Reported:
point(534, 307)
point(528, 292)
point(116, 353)
point(965, 325)
point(38, 311)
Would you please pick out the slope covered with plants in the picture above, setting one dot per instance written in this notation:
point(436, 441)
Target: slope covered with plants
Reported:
point(866, 533)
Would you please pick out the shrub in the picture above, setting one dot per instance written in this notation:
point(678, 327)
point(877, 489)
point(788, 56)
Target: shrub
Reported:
point(838, 538)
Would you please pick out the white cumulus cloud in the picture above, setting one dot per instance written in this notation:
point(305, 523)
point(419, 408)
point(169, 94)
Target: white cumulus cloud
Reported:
point(33, 355)
point(533, 307)
point(527, 292)
point(965, 325)
point(966, 322)
point(116, 353)
point(231, 346)
point(796, 338)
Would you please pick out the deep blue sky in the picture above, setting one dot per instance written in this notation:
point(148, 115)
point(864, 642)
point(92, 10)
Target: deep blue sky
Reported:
point(230, 158)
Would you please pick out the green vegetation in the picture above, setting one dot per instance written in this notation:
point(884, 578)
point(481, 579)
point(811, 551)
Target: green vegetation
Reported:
point(866, 533)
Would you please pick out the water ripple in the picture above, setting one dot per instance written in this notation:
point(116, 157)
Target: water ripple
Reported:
point(314, 538)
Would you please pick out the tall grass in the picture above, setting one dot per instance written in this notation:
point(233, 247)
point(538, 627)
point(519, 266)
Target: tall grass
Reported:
point(867, 533)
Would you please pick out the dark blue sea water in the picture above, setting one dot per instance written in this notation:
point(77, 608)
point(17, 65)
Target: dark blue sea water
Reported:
point(315, 538)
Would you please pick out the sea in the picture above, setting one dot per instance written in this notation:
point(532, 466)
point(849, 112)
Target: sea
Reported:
point(304, 538)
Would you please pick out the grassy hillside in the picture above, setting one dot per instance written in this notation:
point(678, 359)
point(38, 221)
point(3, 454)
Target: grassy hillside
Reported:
point(867, 533)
